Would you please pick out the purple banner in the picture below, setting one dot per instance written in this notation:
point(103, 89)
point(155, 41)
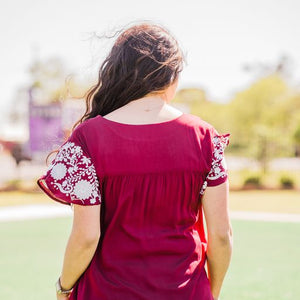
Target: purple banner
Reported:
point(45, 127)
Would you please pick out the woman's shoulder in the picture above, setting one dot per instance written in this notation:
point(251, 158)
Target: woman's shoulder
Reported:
point(85, 126)
point(197, 122)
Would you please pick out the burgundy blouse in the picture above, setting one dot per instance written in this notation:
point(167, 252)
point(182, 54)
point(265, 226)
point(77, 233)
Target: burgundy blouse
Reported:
point(149, 179)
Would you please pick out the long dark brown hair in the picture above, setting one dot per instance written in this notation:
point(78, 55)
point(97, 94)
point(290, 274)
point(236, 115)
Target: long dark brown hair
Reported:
point(145, 58)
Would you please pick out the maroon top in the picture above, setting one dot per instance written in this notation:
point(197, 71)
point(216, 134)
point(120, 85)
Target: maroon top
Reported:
point(149, 179)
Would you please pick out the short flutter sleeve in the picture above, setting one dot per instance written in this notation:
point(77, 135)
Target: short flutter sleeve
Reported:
point(218, 172)
point(71, 177)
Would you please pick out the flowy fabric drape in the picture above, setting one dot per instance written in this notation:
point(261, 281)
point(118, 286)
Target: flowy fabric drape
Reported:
point(149, 180)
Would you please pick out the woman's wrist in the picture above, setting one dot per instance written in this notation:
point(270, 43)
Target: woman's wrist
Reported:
point(63, 285)
point(60, 289)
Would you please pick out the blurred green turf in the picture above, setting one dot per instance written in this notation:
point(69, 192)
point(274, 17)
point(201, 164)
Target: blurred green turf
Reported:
point(31, 256)
point(265, 263)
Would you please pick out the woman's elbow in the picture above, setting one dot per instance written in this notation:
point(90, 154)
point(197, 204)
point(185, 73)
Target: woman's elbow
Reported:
point(223, 236)
point(87, 240)
point(91, 241)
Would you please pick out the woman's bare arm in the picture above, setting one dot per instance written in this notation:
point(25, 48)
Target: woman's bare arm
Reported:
point(219, 247)
point(82, 243)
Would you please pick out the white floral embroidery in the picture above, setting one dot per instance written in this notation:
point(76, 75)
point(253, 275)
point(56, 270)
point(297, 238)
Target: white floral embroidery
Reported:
point(218, 160)
point(203, 187)
point(83, 189)
point(74, 174)
point(59, 171)
point(219, 167)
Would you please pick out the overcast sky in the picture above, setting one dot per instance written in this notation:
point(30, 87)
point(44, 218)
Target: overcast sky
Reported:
point(218, 37)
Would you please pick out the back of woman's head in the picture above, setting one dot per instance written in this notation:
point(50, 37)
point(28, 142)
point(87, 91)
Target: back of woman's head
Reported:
point(145, 58)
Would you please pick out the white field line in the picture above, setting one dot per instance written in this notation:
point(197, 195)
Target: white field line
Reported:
point(34, 211)
point(42, 211)
point(265, 216)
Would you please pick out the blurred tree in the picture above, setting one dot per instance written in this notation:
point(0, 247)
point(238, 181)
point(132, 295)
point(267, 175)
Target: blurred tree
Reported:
point(262, 119)
point(48, 79)
point(297, 140)
point(196, 100)
point(283, 65)
point(52, 81)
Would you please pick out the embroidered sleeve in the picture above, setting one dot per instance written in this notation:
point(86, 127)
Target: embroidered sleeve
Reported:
point(71, 177)
point(218, 172)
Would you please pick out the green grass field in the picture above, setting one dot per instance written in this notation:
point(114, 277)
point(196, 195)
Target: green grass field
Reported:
point(31, 256)
point(265, 263)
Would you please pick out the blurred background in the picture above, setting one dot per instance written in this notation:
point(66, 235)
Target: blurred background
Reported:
point(242, 76)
